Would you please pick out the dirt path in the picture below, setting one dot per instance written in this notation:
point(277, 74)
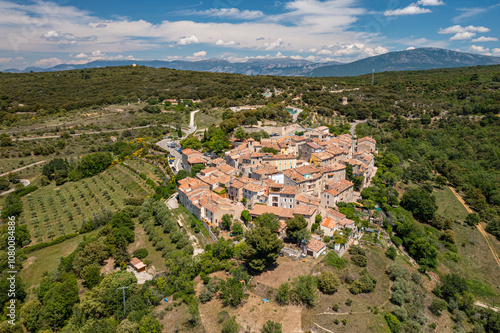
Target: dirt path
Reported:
point(24, 167)
point(479, 226)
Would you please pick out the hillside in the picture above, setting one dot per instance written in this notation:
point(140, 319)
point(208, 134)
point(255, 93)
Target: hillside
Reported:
point(417, 59)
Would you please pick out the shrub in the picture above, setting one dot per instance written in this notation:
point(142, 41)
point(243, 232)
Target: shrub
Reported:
point(328, 282)
point(140, 253)
point(391, 253)
point(359, 260)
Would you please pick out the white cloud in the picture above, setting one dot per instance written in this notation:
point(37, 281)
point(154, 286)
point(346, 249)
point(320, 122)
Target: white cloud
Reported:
point(81, 56)
point(231, 13)
point(48, 62)
point(97, 53)
point(188, 40)
point(468, 13)
point(303, 24)
point(430, 2)
point(463, 35)
point(411, 9)
point(484, 50)
point(410, 48)
point(66, 37)
point(459, 29)
point(273, 45)
point(352, 51)
point(485, 39)
point(200, 54)
point(220, 42)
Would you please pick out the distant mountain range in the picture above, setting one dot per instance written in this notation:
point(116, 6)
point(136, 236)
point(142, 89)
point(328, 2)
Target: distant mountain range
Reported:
point(417, 59)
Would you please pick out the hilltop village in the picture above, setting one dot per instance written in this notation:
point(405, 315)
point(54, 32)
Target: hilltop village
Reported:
point(305, 175)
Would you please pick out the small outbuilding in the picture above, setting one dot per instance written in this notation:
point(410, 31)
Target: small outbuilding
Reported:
point(138, 265)
point(314, 248)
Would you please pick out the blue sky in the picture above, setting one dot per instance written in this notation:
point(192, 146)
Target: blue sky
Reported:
point(44, 34)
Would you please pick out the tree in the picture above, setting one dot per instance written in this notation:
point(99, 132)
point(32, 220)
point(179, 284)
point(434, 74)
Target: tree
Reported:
point(420, 203)
point(304, 290)
point(391, 253)
point(271, 327)
point(240, 133)
point(263, 247)
point(148, 324)
point(196, 168)
point(237, 229)
point(295, 226)
point(283, 294)
point(4, 184)
point(267, 220)
point(230, 326)
point(192, 142)
point(245, 216)
point(328, 282)
point(226, 221)
point(269, 150)
point(472, 219)
point(232, 292)
point(5, 140)
point(30, 315)
point(92, 275)
point(437, 306)
point(182, 174)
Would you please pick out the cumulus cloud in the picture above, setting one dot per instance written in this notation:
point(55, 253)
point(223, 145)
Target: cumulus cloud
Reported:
point(463, 35)
point(411, 9)
point(231, 13)
point(220, 42)
point(200, 54)
point(479, 49)
point(410, 48)
point(459, 29)
point(485, 39)
point(66, 37)
point(188, 40)
point(273, 45)
point(352, 51)
point(430, 2)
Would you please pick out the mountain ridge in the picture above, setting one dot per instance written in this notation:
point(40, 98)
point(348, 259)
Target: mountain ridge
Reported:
point(416, 59)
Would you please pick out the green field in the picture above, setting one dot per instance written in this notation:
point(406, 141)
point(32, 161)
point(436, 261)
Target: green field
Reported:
point(54, 211)
point(146, 168)
point(47, 260)
point(208, 118)
point(448, 205)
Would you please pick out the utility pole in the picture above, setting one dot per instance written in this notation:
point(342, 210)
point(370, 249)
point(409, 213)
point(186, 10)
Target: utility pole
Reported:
point(373, 76)
point(123, 292)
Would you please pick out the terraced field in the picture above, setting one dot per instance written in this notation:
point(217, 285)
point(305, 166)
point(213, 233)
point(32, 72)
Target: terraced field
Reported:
point(54, 211)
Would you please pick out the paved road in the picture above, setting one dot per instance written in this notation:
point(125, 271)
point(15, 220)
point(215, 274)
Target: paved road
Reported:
point(178, 157)
point(24, 167)
point(192, 126)
point(353, 125)
point(25, 182)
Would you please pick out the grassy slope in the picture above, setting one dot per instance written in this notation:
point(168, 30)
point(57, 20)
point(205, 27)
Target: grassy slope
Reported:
point(476, 262)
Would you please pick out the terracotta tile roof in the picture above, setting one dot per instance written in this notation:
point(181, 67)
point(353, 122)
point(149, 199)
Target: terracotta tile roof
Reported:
point(261, 209)
point(340, 187)
point(196, 160)
point(329, 223)
point(313, 145)
point(323, 156)
point(265, 170)
point(236, 183)
point(254, 187)
point(189, 151)
point(307, 199)
point(305, 210)
point(287, 213)
point(227, 169)
point(315, 245)
point(335, 214)
point(289, 190)
point(367, 138)
point(306, 169)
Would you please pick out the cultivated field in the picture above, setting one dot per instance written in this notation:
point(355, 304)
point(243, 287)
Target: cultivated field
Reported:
point(54, 211)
